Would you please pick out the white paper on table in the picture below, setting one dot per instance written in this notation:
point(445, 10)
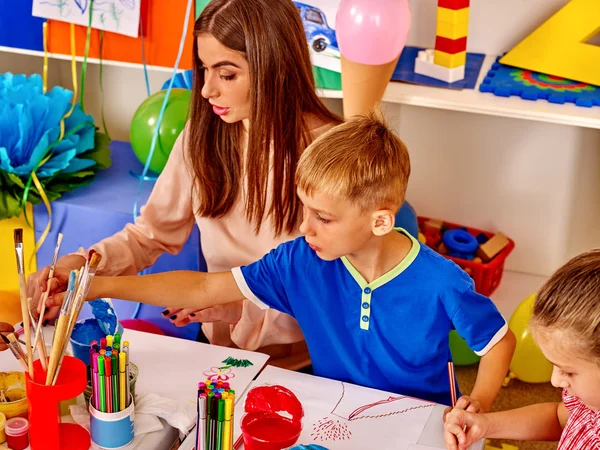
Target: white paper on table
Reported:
point(172, 367)
point(344, 416)
point(119, 16)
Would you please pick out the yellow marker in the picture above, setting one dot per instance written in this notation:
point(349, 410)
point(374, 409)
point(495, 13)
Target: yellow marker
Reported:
point(227, 436)
point(109, 340)
point(125, 343)
point(122, 380)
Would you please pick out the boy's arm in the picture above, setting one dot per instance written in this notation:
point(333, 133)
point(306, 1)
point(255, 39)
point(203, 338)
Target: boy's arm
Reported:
point(541, 422)
point(492, 371)
point(187, 289)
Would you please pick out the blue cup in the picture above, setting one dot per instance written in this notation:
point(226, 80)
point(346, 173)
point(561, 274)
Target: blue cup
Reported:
point(103, 323)
point(112, 430)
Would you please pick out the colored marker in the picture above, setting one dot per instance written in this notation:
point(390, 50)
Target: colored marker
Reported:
point(101, 384)
point(102, 343)
point(115, 381)
point(117, 339)
point(227, 424)
point(103, 351)
point(209, 414)
point(201, 423)
point(108, 373)
point(108, 349)
point(127, 386)
point(95, 386)
point(220, 419)
point(109, 340)
point(122, 382)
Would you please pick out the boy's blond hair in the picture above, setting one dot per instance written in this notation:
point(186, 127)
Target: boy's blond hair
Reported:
point(570, 302)
point(361, 160)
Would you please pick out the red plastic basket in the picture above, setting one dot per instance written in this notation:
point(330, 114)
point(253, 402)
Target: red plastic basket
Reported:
point(487, 276)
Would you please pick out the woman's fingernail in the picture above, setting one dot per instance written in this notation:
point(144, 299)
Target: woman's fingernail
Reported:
point(165, 312)
point(193, 314)
point(173, 317)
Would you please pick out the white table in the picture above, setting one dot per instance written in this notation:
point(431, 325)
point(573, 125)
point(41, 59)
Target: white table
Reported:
point(172, 368)
point(429, 437)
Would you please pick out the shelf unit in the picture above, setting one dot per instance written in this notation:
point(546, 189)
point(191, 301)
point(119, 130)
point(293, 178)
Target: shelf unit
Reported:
point(473, 101)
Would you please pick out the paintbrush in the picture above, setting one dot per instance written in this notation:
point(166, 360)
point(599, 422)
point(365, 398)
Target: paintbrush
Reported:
point(45, 297)
point(16, 349)
point(82, 292)
point(41, 344)
point(61, 326)
point(18, 236)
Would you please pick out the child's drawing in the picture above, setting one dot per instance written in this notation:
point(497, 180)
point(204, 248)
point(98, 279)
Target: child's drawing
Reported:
point(219, 373)
point(119, 16)
point(339, 415)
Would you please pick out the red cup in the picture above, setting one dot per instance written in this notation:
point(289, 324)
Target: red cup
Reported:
point(269, 431)
point(46, 432)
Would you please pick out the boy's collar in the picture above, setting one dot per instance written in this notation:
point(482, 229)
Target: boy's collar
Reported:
point(388, 276)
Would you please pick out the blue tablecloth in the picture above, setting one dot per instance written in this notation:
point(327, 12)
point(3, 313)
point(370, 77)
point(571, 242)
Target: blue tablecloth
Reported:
point(91, 213)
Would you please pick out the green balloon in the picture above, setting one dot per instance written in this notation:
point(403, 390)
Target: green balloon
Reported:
point(462, 355)
point(144, 122)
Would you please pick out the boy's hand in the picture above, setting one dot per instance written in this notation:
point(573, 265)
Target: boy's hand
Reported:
point(229, 313)
point(5, 328)
point(466, 403)
point(463, 428)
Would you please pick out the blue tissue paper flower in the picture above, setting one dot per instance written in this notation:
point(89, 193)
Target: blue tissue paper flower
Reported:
point(30, 141)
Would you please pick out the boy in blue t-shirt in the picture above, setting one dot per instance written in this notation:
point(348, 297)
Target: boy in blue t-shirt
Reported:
point(374, 305)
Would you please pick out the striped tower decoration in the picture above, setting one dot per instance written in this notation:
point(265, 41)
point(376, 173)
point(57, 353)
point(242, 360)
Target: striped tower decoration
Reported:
point(447, 61)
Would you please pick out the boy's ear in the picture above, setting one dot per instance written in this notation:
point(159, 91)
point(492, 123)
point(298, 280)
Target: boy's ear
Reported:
point(383, 222)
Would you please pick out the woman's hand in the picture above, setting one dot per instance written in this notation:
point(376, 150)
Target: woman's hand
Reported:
point(229, 313)
point(38, 282)
point(463, 428)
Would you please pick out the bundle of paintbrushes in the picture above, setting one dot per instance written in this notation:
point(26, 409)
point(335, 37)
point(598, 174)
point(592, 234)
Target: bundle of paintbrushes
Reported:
point(214, 426)
point(80, 282)
point(110, 374)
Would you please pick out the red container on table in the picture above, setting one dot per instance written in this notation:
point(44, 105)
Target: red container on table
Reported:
point(262, 427)
point(46, 432)
point(486, 275)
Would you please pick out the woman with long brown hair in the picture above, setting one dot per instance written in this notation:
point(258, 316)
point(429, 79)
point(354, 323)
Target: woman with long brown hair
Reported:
point(254, 109)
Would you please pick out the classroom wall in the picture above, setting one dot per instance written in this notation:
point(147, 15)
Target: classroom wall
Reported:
point(536, 182)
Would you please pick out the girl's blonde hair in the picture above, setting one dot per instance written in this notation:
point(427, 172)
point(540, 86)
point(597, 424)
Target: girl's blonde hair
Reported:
point(570, 301)
point(361, 160)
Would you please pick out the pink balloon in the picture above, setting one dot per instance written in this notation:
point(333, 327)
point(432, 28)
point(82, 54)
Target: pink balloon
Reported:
point(372, 31)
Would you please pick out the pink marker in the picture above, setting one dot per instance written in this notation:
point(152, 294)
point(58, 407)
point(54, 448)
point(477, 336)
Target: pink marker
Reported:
point(109, 392)
point(95, 381)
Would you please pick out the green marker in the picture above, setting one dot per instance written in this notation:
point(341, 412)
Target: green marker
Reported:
point(209, 413)
point(101, 383)
point(220, 419)
point(115, 382)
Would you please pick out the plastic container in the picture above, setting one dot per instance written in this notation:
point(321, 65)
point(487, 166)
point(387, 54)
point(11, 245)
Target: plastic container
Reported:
point(263, 427)
point(2, 428)
point(47, 433)
point(86, 331)
point(269, 431)
point(17, 433)
point(487, 276)
point(13, 385)
point(112, 430)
